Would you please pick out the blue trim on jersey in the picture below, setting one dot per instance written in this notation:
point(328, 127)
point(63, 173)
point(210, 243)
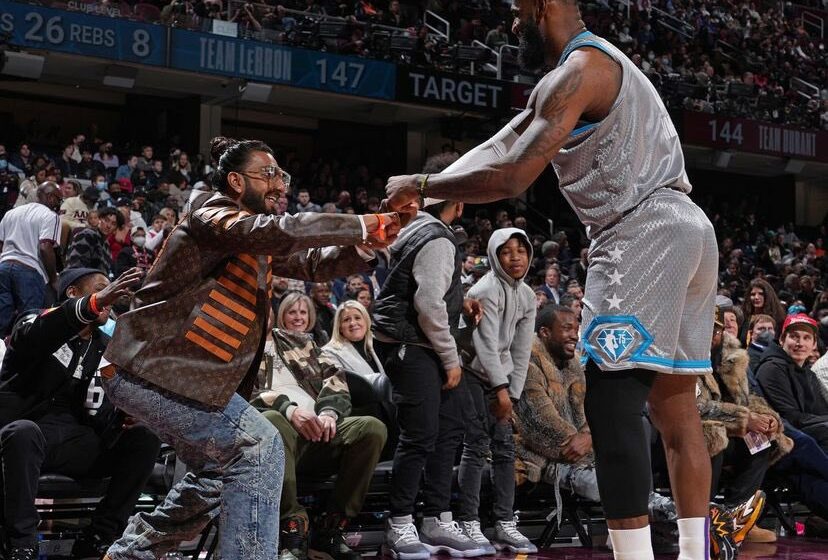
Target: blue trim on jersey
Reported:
point(584, 128)
point(675, 364)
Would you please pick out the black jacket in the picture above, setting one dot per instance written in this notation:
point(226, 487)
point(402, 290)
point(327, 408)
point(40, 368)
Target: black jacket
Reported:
point(40, 371)
point(791, 390)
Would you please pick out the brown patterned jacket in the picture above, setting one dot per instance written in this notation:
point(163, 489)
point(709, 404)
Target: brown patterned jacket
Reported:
point(197, 326)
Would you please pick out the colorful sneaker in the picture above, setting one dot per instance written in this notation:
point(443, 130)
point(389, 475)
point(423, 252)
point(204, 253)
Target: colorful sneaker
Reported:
point(722, 546)
point(472, 530)
point(507, 537)
point(745, 516)
point(293, 539)
point(402, 540)
point(443, 534)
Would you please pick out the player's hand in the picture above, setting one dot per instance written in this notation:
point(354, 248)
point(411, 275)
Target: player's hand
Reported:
point(452, 378)
point(120, 287)
point(502, 405)
point(402, 191)
point(473, 310)
point(328, 427)
point(307, 424)
point(407, 213)
point(576, 446)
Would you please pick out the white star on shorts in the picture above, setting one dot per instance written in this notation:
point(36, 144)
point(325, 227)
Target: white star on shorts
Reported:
point(615, 254)
point(615, 278)
point(614, 301)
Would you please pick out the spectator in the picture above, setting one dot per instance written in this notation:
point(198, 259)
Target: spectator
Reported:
point(394, 16)
point(466, 273)
point(554, 442)
point(51, 423)
point(89, 247)
point(9, 186)
point(24, 159)
point(572, 302)
point(145, 162)
point(762, 331)
point(791, 388)
point(502, 343)
point(28, 188)
point(108, 159)
point(320, 293)
point(551, 283)
point(89, 168)
point(762, 299)
point(126, 170)
point(78, 143)
point(352, 345)
point(75, 209)
point(28, 264)
point(729, 413)
point(365, 297)
point(306, 397)
point(135, 255)
point(157, 232)
point(579, 269)
point(182, 170)
point(66, 164)
point(497, 37)
point(155, 174)
point(304, 204)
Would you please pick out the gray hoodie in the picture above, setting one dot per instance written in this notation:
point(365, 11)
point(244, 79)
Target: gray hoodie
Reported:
point(503, 339)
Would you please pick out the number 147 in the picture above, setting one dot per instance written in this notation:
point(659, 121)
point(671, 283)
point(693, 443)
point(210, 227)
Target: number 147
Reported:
point(341, 73)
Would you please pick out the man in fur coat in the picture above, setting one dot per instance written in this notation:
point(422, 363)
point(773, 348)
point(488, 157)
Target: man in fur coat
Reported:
point(732, 416)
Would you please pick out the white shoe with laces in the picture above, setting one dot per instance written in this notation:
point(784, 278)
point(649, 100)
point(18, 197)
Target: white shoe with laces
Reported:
point(443, 534)
point(507, 537)
point(472, 530)
point(402, 540)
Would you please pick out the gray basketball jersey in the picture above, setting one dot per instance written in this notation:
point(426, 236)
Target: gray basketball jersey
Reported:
point(611, 166)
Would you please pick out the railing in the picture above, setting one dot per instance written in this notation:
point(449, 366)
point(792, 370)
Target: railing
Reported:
point(811, 20)
point(805, 89)
point(500, 58)
point(437, 25)
point(493, 53)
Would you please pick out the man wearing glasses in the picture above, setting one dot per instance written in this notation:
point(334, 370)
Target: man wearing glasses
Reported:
point(187, 354)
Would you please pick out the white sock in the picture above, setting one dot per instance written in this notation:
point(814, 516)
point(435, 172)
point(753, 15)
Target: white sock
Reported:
point(694, 538)
point(631, 544)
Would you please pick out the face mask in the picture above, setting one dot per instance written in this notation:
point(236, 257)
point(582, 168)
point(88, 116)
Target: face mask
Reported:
point(139, 241)
point(3, 164)
point(101, 185)
point(108, 328)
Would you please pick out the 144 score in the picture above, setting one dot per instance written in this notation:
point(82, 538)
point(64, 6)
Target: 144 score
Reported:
point(725, 132)
point(345, 74)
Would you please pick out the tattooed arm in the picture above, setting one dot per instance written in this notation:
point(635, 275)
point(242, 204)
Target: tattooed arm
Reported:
point(587, 84)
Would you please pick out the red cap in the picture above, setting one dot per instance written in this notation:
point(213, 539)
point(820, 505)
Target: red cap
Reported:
point(799, 319)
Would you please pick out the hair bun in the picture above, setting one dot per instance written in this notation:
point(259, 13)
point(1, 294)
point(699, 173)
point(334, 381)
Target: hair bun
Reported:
point(219, 145)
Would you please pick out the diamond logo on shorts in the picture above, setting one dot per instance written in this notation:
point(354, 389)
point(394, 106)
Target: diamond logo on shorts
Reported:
point(615, 339)
point(614, 342)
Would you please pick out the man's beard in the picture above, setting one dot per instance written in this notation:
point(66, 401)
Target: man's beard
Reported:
point(253, 201)
point(531, 48)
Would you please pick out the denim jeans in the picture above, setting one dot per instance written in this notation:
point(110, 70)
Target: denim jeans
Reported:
point(236, 461)
point(485, 435)
point(21, 289)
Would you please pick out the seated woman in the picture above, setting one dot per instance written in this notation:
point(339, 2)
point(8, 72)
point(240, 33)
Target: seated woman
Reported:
point(305, 396)
point(351, 344)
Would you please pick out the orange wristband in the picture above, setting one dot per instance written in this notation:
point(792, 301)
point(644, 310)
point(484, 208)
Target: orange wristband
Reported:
point(380, 226)
point(93, 304)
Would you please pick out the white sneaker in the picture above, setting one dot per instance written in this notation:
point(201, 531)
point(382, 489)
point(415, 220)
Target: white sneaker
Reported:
point(507, 537)
point(472, 530)
point(443, 534)
point(402, 540)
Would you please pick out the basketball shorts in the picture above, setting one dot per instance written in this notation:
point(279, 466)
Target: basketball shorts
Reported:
point(651, 287)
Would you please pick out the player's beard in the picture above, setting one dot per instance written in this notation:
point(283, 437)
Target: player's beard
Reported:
point(253, 201)
point(531, 48)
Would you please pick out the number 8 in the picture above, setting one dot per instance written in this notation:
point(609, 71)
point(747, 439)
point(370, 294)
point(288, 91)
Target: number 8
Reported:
point(140, 43)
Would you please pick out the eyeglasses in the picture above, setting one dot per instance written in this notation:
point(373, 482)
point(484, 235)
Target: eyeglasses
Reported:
point(270, 172)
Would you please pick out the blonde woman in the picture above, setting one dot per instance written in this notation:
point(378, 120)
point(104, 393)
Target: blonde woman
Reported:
point(351, 344)
point(305, 396)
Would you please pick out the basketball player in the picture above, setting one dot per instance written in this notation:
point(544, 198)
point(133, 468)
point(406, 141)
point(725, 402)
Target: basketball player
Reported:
point(652, 261)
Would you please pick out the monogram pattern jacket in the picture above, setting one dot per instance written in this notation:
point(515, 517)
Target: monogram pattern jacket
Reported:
point(196, 328)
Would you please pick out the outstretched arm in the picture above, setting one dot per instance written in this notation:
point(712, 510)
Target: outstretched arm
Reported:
point(578, 87)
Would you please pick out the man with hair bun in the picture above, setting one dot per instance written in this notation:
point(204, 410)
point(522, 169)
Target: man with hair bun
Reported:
point(185, 356)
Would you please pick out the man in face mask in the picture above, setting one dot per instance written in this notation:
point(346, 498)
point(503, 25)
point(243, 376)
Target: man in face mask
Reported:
point(9, 185)
point(135, 255)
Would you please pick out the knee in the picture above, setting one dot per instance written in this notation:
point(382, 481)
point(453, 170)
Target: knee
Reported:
point(373, 432)
point(23, 436)
point(142, 442)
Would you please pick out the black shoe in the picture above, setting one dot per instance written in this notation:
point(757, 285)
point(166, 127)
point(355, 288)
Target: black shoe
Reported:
point(90, 546)
point(22, 553)
point(293, 539)
point(328, 540)
point(664, 537)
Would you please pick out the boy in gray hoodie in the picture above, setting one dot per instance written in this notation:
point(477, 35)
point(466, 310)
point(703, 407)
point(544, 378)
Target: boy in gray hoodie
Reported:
point(502, 345)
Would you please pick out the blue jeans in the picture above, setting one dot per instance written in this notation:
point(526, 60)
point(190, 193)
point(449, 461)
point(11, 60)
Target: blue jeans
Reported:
point(236, 461)
point(21, 289)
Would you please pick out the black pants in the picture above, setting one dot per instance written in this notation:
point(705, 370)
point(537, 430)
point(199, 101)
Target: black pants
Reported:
point(744, 472)
point(431, 428)
point(59, 444)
